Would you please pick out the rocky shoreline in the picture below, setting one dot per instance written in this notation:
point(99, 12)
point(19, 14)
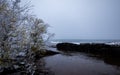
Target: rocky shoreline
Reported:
point(19, 66)
point(92, 48)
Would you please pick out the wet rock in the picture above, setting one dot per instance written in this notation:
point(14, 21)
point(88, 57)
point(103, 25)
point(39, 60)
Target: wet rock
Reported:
point(94, 48)
point(67, 46)
point(40, 54)
point(49, 52)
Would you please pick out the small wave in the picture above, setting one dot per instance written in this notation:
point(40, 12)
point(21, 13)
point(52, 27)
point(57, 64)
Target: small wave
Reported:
point(55, 42)
point(76, 42)
point(109, 43)
point(113, 43)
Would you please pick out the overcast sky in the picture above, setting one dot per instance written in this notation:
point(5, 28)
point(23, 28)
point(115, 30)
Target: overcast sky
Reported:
point(80, 19)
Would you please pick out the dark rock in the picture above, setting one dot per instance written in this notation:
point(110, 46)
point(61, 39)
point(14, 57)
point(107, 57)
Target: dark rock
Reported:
point(40, 54)
point(67, 46)
point(49, 52)
point(94, 48)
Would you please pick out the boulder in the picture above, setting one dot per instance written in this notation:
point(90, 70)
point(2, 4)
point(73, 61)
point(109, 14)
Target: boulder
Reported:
point(67, 46)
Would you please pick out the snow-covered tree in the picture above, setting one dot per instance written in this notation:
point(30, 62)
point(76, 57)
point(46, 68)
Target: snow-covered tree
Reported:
point(19, 31)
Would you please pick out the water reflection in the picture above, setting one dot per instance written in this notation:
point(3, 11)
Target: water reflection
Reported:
point(114, 61)
point(82, 64)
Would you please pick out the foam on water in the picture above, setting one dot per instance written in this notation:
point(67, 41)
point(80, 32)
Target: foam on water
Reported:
point(113, 43)
point(109, 42)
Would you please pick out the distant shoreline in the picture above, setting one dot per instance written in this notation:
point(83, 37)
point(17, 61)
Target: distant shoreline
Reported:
point(78, 41)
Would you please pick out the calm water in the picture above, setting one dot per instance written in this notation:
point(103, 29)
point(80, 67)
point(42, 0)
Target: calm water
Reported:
point(83, 64)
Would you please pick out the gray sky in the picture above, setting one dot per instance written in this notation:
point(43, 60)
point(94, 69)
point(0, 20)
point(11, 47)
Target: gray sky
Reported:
point(80, 19)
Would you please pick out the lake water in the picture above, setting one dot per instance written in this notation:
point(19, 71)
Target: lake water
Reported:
point(82, 64)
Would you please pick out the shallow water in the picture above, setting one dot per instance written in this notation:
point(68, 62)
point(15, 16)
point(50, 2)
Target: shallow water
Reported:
point(80, 64)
